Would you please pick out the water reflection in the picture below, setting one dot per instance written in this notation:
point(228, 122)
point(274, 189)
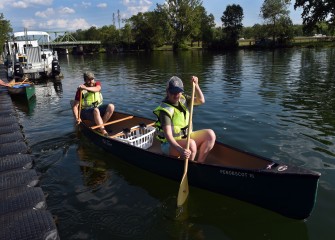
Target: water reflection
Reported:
point(25, 106)
point(93, 169)
point(228, 215)
point(58, 87)
point(206, 215)
point(313, 95)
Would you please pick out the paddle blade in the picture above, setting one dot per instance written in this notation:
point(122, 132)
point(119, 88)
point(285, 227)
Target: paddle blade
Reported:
point(183, 191)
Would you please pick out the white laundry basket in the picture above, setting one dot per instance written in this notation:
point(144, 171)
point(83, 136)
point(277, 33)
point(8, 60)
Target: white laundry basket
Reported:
point(141, 137)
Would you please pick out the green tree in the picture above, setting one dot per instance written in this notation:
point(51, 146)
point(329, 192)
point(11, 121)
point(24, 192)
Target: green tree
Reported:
point(315, 12)
point(217, 34)
point(93, 34)
point(182, 18)
point(232, 24)
point(272, 11)
point(196, 30)
point(126, 35)
point(324, 28)
point(248, 32)
point(207, 28)
point(110, 38)
point(145, 30)
point(260, 31)
point(203, 31)
point(5, 30)
point(298, 30)
point(285, 30)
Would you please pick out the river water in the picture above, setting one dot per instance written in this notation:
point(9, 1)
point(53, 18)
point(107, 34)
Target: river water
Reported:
point(279, 104)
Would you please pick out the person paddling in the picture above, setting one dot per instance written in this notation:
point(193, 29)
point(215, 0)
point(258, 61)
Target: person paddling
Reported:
point(172, 123)
point(92, 107)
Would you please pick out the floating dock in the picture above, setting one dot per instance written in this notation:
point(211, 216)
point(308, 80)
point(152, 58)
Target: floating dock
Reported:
point(23, 208)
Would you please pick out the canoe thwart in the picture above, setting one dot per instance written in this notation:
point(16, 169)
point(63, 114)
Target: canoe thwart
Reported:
point(112, 122)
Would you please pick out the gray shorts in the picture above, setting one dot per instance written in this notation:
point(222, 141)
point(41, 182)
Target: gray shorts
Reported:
point(87, 113)
point(165, 147)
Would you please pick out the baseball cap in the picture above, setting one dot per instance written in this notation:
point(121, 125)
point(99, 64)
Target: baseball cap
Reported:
point(88, 75)
point(175, 85)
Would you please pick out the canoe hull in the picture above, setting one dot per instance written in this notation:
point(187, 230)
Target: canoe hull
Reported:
point(290, 191)
point(25, 91)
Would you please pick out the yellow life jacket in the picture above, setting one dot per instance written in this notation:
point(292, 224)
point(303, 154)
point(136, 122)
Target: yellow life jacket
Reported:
point(179, 120)
point(91, 99)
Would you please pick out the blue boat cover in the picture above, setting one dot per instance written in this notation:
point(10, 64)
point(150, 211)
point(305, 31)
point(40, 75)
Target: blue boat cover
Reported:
point(21, 85)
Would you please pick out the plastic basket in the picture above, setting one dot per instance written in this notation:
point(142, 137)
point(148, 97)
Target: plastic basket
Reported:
point(141, 137)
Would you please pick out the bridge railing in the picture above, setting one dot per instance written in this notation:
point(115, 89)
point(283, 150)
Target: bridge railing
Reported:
point(71, 43)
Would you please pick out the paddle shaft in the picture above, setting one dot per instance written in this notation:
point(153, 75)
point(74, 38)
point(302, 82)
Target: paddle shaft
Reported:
point(183, 188)
point(15, 83)
point(79, 108)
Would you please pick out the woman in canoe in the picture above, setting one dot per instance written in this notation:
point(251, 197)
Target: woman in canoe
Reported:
point(172, 124)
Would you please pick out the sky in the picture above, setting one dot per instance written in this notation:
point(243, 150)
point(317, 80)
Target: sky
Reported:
point(71, 15)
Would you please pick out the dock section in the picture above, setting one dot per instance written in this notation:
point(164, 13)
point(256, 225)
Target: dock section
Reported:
point(23, 208)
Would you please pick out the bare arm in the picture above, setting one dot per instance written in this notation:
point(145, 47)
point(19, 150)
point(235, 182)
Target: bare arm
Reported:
point(75, 108)
point(90, 89)
point(3, 83)
point(199, 96)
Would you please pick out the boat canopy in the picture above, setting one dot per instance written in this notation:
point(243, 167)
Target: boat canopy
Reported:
point(32, 33)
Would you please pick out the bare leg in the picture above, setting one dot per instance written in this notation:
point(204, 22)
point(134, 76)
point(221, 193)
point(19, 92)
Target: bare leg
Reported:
point(98, 120)
point(108, 113)
point(205, 140)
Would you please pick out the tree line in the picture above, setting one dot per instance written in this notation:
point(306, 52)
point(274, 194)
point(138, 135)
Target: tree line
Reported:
point(185, 23)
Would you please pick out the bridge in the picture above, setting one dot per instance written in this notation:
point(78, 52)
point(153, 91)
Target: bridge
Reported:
point(67, 41)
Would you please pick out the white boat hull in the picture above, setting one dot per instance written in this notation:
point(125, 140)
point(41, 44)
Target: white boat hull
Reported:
point(25, 57)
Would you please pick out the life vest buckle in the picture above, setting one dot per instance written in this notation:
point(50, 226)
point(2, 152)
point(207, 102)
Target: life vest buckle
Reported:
point(95, 104)
point(184, 131)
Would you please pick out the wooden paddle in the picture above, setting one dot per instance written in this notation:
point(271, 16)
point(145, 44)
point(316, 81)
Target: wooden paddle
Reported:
point(183, 188)
point(24, 80)
point(11, 84)
point(79, 108)
point(112, 122)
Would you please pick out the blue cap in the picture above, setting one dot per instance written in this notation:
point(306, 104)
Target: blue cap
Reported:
point(175, 85)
